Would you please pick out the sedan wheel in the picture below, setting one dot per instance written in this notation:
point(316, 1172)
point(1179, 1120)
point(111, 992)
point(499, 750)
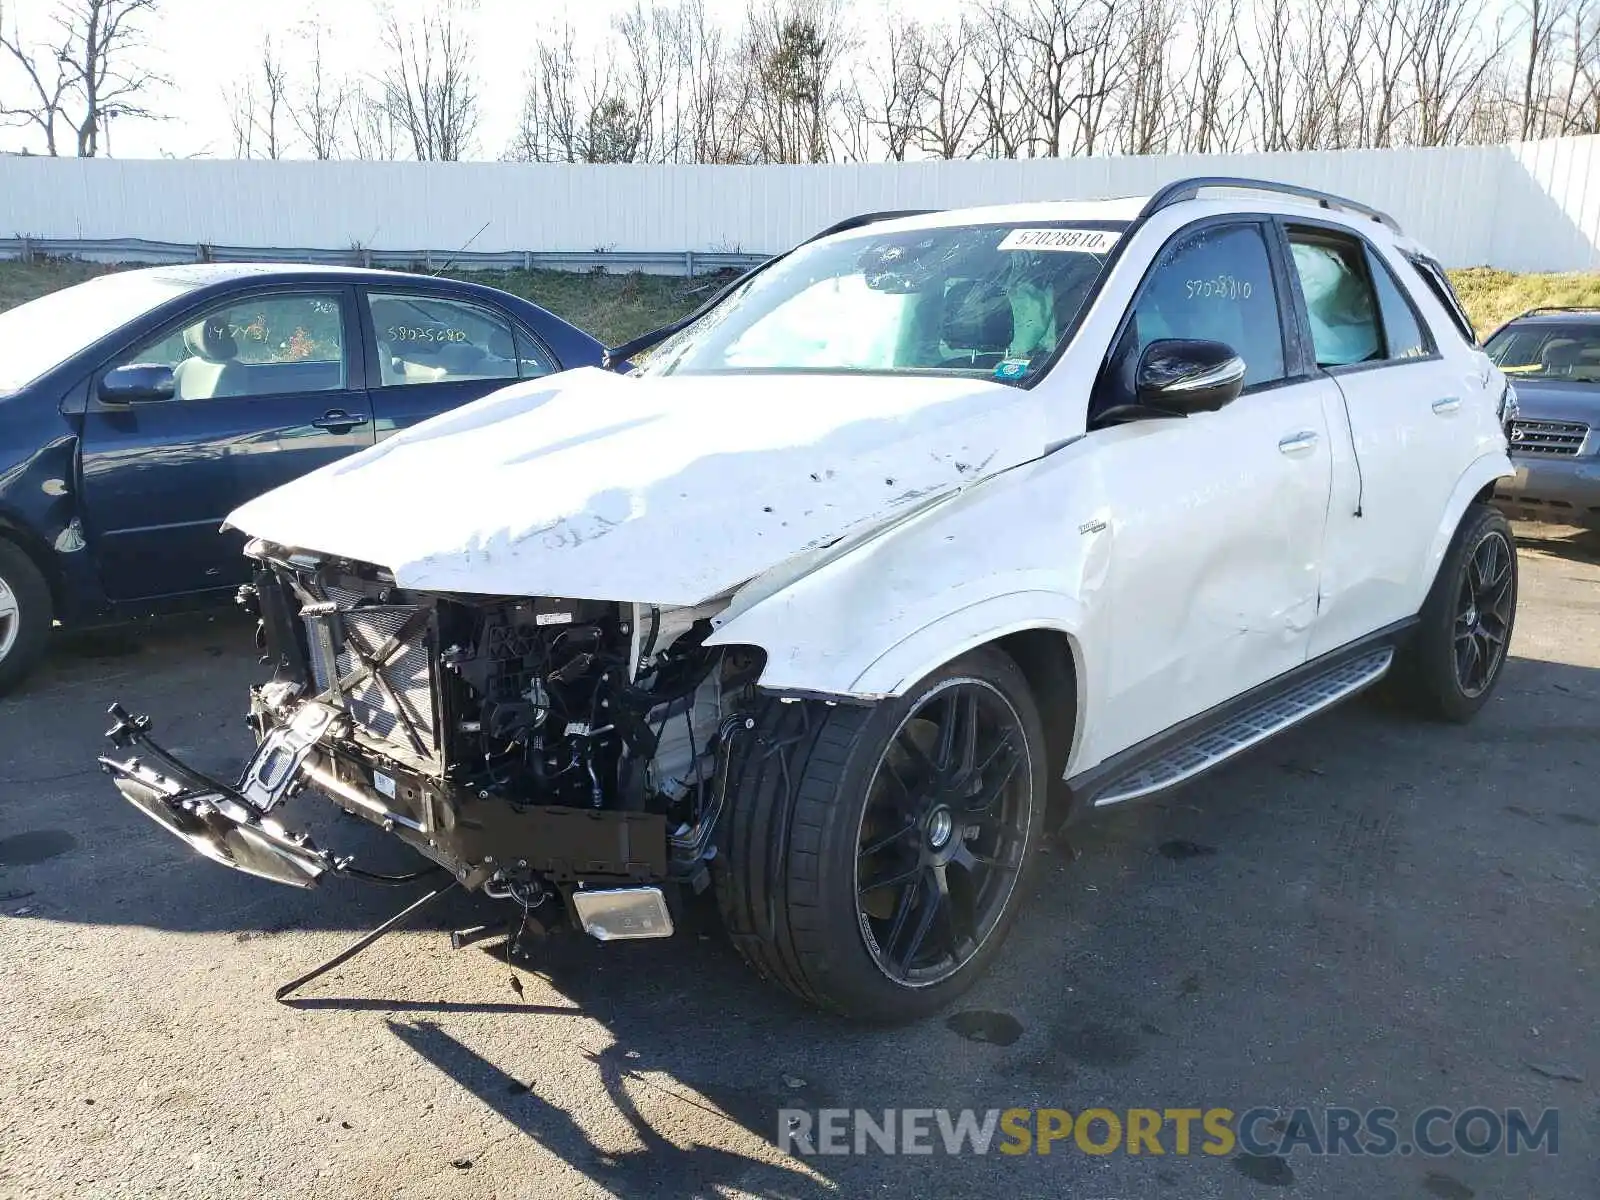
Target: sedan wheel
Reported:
point(25, 614)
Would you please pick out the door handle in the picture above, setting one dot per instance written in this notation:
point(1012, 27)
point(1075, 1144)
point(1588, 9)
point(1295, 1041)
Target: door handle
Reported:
point(336, 420)
point(1298, 443)
point(1446, 404)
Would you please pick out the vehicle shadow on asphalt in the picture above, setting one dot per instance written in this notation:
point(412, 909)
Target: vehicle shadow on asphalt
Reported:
point(1560, 541)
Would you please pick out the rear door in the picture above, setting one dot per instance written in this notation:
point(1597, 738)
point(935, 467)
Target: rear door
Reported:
point(1405, 430)
point(431, 353)
point(269, 385)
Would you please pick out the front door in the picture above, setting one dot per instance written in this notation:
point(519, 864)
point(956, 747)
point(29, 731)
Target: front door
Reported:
point(1216, 519)
point(267, 386)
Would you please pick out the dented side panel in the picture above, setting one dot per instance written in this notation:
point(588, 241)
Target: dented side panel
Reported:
point(1180, 558)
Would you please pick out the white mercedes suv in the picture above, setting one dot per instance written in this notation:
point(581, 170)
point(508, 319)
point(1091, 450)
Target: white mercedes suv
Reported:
point(935, 524)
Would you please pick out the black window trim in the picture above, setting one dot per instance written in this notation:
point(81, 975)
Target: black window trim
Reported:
point(1286, 225)
point(1433, 276)
point(353, 350)
point(519, 330)
point(1288, 329)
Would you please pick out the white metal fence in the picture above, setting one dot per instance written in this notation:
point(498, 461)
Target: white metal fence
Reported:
point(1527, 206)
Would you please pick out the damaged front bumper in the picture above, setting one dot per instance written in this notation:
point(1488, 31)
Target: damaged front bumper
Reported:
point(481, 841)
point(230, 825)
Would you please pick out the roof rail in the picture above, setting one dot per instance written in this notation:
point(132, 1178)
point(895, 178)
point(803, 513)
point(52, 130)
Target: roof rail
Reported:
point(1558, 308)
point(1188, 189)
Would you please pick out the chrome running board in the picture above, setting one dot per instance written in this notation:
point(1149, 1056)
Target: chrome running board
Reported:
point(1238, 733)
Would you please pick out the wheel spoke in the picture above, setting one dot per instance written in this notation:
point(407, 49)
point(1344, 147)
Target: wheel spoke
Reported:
point(991, 791)
point(903, 909)
point(938, 897)
point(949, 726)
point(884, 843)
point(877, 885)
point(8, 602)
point(919, 758)
point(969, 738)
point(1466, 659)
point(970, 860)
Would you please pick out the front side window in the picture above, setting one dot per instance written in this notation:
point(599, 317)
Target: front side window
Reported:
point(987, 301)
point(1548, 350)
point(430, 339)
point(262, 346)
point(1214, 284)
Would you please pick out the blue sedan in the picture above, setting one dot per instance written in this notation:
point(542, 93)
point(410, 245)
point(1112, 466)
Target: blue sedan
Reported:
point(139, 408)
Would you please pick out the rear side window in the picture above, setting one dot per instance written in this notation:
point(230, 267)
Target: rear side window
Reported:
point(1357, 310)
point(431, 339)
point(1340, 302)
point(1403, 333)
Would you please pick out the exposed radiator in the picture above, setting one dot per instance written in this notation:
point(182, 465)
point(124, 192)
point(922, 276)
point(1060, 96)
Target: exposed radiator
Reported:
point(402, 712)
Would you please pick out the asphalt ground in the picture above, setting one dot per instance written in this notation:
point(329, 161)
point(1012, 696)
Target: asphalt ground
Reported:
point(1371, 911)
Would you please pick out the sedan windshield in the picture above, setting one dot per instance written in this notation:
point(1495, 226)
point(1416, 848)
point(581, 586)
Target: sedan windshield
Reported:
point(42, 333)
point(988, 301)
point(1541, 350)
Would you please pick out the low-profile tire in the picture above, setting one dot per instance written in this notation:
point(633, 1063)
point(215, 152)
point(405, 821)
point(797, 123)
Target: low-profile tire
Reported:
point(25, 615)
point(872, 858)
point(1458, 653)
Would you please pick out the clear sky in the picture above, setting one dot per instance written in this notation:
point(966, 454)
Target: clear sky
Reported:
point(206, 46)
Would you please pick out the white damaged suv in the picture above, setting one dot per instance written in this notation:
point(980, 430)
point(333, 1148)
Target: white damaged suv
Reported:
point(931, 525)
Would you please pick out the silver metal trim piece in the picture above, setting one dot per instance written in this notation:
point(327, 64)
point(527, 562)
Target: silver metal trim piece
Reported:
point(1249, 728)
point(622, 914)
point(1230, 371)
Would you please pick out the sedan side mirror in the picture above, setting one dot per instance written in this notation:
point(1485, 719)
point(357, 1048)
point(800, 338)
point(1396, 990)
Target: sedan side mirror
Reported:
point(1182, 376)
point(137, 383)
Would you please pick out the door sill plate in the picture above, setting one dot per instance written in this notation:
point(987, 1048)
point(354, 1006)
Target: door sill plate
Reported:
point(1248, 728)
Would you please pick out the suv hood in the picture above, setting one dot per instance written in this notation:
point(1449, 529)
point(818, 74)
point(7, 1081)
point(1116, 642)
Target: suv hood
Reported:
point(662, 490)
point(1556, 400)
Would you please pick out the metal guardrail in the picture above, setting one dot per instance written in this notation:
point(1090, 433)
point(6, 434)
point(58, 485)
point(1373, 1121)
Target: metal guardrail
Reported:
point(138, 250)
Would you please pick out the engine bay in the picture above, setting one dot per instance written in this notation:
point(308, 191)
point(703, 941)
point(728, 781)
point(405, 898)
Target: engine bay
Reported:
point(521, 741)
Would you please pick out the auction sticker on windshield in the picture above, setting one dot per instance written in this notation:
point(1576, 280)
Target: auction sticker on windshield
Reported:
point(1079, 241)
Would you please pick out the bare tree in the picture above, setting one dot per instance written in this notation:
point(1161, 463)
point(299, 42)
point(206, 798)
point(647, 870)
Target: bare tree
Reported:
point(85, 74)
point(792, 54)
point(241, 102)
point(318, 107)
point(885, 99)
point(373, 130)
point(428, 88)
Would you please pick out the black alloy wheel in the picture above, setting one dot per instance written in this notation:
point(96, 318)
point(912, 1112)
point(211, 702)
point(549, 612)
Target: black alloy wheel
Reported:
point(1484, 613)
point(873, 857)
point(1450, 665)
point(943, 832)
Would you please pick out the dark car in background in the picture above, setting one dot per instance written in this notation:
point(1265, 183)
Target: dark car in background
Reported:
point(1552, 357)
point(139, 408)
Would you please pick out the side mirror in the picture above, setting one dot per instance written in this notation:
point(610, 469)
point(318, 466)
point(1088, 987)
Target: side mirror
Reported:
point(137, 383)
point(1181, 376)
